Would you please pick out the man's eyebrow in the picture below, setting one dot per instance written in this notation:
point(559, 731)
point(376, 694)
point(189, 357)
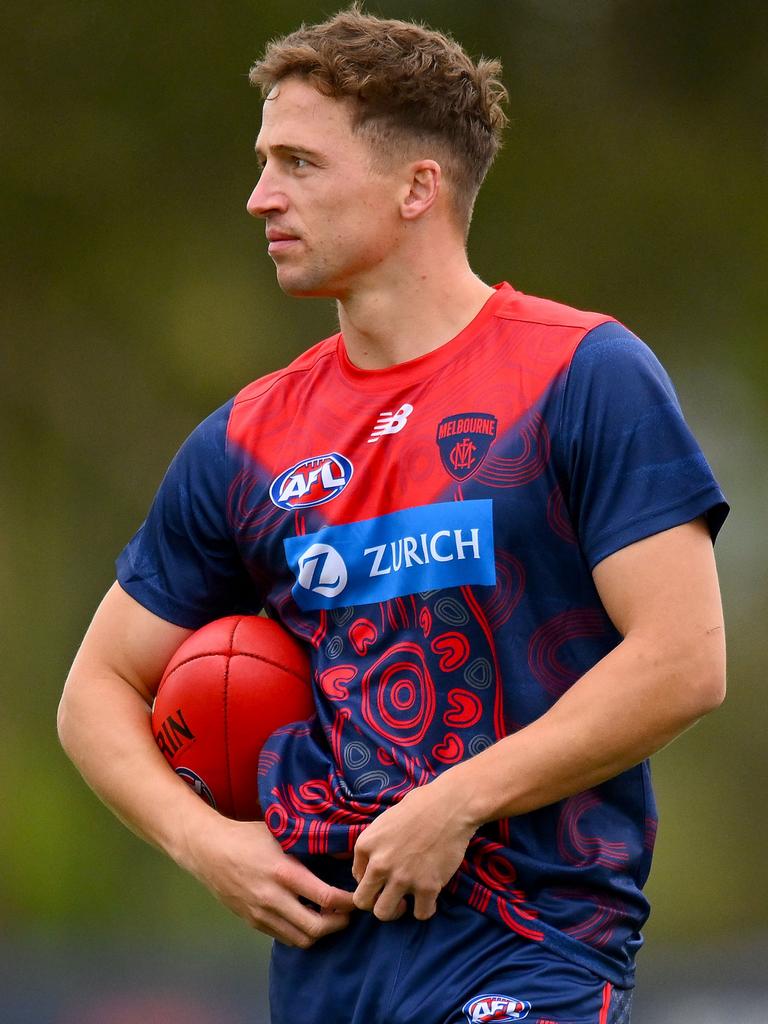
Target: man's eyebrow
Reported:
point(291, 150)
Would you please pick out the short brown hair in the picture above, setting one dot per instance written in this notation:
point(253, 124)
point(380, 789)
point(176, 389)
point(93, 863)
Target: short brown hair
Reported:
point(409, 84)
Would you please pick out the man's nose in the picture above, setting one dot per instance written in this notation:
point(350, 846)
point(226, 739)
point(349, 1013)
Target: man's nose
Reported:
point(266, 197)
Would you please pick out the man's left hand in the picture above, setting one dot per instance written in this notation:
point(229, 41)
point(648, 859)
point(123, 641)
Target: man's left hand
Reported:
point(412, 848)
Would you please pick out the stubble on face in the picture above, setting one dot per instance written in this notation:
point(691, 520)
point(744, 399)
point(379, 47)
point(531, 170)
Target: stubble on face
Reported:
point(342, 207)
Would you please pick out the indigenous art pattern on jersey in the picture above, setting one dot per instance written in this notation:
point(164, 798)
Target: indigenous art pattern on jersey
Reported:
point(429, 531)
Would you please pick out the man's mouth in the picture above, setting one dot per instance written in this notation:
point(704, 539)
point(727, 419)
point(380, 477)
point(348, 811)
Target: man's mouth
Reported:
point(279, 241)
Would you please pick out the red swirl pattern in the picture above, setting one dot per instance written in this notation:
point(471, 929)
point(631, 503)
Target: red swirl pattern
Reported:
point(268, 759)
point(301, 625)
point(509, 913)
point(332, 681)
point(340, 720)
point(510, 586)
point(466, 708)
point(599, 927)
point(398, 695)
point(500, 471)
point(362, 633)
point(453, 649)
point(251, 516)
point(649, 833)
point(558, 518)
point(283, 827)
point(546, 642)
point(425, 621)
point(487, 861)
point(450, 751)
point(577, 846)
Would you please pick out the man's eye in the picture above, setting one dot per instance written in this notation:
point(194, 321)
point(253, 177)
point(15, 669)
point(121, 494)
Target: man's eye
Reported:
point(299, 162)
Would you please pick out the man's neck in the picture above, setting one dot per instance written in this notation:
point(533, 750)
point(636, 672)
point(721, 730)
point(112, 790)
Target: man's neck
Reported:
point(411, 313)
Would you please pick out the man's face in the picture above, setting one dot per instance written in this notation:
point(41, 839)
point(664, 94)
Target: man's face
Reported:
point(331, 221)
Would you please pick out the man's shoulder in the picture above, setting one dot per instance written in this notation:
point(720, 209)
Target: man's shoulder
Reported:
point(302, 365)
point(536, 310)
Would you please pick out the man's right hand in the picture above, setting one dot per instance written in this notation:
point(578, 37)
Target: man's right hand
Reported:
point(104, 726)
point(245, 867)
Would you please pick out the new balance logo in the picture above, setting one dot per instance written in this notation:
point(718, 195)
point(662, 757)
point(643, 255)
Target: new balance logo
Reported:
point(390, 422)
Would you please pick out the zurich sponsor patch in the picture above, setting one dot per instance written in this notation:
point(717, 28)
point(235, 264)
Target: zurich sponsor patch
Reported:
point(430, 547)
point(311, 481)
point(464, 440)
point(494, 1008)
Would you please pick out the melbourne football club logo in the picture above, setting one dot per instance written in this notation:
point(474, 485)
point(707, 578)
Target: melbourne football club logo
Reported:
point(311, 482)
point(464, 440)
point(495, 1009)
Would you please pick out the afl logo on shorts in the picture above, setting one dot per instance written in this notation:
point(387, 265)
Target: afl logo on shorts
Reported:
point(311, 482)
point(496, 1009)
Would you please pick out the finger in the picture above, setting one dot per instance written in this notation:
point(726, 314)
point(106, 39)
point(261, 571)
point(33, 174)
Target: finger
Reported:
point(367, 892)
point(278, 928)
point(308, 918)
point(425, 905)
point(332, 922)
point(301, 881)
point(359, 864)
point(401, 909)
point(388, 905)
point(312, 924)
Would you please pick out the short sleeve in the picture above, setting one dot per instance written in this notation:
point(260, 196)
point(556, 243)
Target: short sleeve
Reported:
point(631, 465)
point(183, 563)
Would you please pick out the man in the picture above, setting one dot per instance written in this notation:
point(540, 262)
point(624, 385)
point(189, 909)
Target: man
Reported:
point(486, 517)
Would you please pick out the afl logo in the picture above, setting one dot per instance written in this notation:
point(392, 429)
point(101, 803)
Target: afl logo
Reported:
point(495, 1009)
point(194, 781)
point(311, 482)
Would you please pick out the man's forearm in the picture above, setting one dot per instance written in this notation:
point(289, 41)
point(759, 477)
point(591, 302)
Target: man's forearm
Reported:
point(104, 727)
point(632, 703)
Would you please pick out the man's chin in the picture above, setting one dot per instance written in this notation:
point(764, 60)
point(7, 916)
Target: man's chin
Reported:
point(304, 286)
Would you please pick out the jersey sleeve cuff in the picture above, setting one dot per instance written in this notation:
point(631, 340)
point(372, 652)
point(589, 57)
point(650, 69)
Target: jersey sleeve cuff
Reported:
point(160, 603)
point(709, 503)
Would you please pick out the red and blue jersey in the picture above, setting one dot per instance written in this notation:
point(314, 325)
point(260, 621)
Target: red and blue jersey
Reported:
point(429, 530)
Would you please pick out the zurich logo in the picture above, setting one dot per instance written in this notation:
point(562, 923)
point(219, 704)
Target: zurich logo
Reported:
point(428, 547)
point(496, 1009)
point(311, 481)
point(322, 570)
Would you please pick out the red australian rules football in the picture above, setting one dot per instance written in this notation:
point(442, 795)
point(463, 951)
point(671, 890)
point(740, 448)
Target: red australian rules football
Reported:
point(226, 689)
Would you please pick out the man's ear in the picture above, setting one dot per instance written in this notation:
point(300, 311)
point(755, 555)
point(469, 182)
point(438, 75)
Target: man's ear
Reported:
point(423, 189)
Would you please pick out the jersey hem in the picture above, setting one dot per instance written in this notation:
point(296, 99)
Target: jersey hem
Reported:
point(569, 949)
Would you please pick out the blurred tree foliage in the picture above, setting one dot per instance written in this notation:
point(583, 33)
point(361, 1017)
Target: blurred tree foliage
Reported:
point(138, 296)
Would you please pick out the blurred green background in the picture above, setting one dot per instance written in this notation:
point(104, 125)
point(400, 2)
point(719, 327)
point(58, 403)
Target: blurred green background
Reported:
point(138, 296)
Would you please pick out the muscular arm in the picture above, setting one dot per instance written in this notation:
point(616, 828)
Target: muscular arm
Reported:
point(669, 670)
point(104, 726)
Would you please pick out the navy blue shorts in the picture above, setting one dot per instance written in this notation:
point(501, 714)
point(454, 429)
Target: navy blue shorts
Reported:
point(458, 967)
